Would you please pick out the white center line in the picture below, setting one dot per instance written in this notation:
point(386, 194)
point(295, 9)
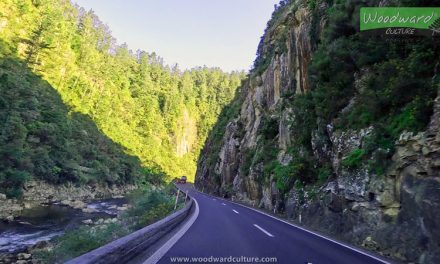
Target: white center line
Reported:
point(214, 199)
point(223, 204)
point(264, 231)
point(235, 211)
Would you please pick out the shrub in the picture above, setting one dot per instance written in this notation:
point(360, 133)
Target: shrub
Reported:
point(78, 242)
point(354, 159)
point(300, 168)
point(305, 119)
point(147, 207)
point(323, 174)
point(144, 200)
point(269, 168)
point(269, 128)
point(284, 176)
point(12, 182)
point(248, 157)
point(155, 214)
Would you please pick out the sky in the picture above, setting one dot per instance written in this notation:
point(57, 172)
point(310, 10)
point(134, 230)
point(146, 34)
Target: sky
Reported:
point(215, 33)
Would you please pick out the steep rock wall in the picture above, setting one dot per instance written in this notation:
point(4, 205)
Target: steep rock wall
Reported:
point(394, 213)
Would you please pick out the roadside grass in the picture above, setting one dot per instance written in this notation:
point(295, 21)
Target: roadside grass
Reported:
point(77, 242)
point(147, 206)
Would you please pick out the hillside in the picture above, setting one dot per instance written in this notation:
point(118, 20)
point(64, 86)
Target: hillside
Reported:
point(336, 130)
point(40, 138)
point(78, 107)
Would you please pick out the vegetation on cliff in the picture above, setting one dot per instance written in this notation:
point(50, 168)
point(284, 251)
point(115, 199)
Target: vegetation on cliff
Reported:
point(337, 129)
point(357, 81)
point(159, 114)
point(395, 89)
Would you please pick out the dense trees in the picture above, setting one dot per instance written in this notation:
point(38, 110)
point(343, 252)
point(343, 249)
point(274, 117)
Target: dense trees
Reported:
point(158, 114)
point(40, 138)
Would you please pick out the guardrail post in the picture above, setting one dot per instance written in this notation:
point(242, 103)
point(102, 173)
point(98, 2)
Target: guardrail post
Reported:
point(186, 197)
point(177, 199)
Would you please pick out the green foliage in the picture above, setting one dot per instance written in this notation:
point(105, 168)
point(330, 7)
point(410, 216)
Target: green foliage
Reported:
point(77, 242)
point(40, 138)
point(266, 151)
point(393, 92)
point(305, 119)
point(146, 207)
point(300, 169)
point(284, 175)
point(298, 185)
point(269, 168)
point(214, 140)
point(311, 192)
point(141, 104)
point(149, 206)
point(276, 44)
point(356, 81)
point(11, 182)
point(248, 160)
point(228, 191)
point(269, 129)
point(324, 173)
point(155, 214)
point(392, 69)
point(354, 159)
point(312, 4)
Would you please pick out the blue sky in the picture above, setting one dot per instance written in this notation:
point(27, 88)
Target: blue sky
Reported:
point(215, 33)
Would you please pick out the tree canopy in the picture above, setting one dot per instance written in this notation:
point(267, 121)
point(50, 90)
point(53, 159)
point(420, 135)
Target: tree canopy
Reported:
point(161, 115)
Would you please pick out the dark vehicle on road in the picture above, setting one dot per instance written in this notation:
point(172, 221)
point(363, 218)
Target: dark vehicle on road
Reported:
point(182, 180)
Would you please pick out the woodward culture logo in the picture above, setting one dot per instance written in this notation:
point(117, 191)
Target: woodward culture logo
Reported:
point(404, 21)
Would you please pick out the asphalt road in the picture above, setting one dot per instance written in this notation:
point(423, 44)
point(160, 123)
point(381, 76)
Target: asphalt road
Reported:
point(225, 229)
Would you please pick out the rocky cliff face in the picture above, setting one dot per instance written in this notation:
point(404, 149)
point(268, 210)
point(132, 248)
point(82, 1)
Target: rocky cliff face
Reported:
point(286, 74)
point(394, 212)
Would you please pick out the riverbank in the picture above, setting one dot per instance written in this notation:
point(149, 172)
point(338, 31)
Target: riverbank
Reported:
point(44, 222)
point(80, 230)
point(47, 211)
point(146, 206)
point(36, 227)
point(39, 193)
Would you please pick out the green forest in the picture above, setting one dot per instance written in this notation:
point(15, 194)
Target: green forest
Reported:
point(77, 106)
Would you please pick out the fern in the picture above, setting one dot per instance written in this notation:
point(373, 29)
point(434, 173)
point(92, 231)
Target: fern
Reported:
point(435, 26)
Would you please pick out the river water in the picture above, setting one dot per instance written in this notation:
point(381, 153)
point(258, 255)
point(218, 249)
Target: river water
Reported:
point(43, 223)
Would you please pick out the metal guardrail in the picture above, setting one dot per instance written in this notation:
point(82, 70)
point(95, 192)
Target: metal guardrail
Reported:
point(176, 203)
point(126, 248)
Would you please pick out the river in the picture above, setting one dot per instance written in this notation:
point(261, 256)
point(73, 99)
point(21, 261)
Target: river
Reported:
point(45, 222)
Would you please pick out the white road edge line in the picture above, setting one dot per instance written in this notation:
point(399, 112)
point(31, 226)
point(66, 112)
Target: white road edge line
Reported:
point(264, 231)
point(235, 211)
point(223, 204)
point(308, 231)
point(153, 259)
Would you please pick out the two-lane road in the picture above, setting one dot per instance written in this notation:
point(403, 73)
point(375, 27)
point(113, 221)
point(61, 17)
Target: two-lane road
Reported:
point(225, 229)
